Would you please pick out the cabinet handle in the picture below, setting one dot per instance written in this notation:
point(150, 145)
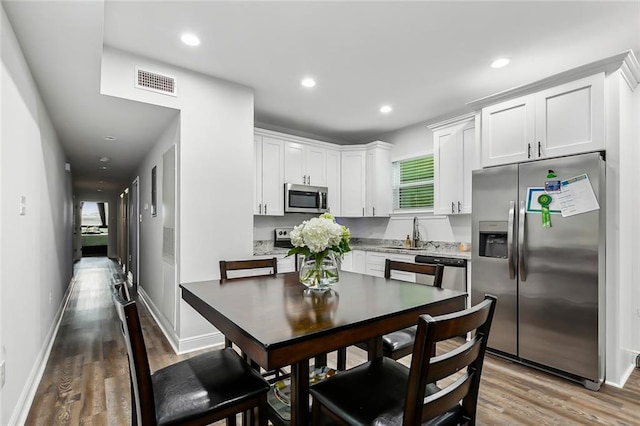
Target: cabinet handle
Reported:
point(374, 211)
point(260, 208)
point(309, 180)
point(539, 149)
point(304, 179)
point(265, 208)
point(459, 207)
point(528, 150)
point(453, 207)
point(363, 211)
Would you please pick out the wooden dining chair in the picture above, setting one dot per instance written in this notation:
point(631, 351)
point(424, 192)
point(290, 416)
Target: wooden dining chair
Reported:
point(245, 268)
point(399, 343)
point(209, 387)
point(383, 391)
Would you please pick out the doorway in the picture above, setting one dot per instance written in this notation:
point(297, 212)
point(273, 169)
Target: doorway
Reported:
point(133, 231)
point(94, 228)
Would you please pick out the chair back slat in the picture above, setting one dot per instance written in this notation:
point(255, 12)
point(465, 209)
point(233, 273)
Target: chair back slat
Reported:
point(450, 363)
point(427, 368)
point(447, 398)
point(246, 265)
point(452, 325)
point(138, 362)
point(437, 271)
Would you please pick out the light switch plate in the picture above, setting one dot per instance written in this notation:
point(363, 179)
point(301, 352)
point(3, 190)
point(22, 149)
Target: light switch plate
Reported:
point(23, 205)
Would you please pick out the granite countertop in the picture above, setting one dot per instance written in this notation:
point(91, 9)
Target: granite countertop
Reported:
point(428, 248)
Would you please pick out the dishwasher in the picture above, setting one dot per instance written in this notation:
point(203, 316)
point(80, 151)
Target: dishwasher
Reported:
point(455, 272)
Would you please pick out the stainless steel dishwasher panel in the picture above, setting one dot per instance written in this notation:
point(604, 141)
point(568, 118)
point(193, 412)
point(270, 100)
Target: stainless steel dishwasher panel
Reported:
point(455, 272)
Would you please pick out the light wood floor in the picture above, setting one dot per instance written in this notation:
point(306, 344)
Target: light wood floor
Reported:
point(86, 379)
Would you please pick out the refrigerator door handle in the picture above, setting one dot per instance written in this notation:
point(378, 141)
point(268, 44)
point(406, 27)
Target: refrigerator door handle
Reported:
point(521, 243)
point(510, 261)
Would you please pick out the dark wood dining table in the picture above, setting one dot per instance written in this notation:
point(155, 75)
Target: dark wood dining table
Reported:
point(277, 322)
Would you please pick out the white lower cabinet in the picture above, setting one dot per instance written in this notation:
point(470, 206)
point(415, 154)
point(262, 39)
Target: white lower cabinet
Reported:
point(372, 263)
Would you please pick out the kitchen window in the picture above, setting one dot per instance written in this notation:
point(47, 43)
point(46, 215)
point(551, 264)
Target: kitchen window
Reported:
point(413, 184)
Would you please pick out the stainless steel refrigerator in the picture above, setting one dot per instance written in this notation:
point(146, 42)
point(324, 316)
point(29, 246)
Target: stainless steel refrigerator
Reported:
point(549, 281)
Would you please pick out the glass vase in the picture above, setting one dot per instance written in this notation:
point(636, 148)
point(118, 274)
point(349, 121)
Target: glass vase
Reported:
point(320, 275)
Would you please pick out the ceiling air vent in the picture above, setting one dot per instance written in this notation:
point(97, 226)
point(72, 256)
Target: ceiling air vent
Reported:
point(156, 82)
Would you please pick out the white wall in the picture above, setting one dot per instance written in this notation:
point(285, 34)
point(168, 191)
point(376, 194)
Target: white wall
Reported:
point(36, 247)
point(150, 276)
point(215, 196)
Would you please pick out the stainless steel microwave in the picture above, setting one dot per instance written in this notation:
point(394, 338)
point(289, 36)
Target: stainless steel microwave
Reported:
point(305, 198)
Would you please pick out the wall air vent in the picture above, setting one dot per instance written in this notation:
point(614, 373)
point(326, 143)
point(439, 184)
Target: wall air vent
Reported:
point(156, 82)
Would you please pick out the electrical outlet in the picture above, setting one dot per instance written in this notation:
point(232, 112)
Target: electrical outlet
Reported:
point(2, 376)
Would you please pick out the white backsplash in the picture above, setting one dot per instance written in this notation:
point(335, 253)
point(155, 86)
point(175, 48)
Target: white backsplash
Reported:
point(432, 228)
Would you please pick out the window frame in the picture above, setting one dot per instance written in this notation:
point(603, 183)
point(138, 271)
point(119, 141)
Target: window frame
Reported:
point(396, 210)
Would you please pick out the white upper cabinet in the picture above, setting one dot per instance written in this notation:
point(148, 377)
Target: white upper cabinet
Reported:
point(454, 154)
point(353, 183)
point(333, 181)
point(563, 120)
point(379, 184)
point(367, 180)
point(570, 118)
point(305, 164)
point(269, 178)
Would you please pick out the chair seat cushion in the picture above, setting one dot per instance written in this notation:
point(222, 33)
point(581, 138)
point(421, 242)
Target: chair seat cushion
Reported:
point(398, 340)
point(373, 394)
point(203, 384)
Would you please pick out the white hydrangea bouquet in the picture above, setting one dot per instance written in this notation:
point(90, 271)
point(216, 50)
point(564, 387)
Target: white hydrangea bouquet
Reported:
point(321, 241)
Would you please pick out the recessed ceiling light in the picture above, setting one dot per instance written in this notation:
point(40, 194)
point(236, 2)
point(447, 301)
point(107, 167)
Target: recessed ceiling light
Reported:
point(101, 181)
point(99, 190)
point(104, 168)
point(500, 62)
point(385, 109)
point(190, 39)
point(105, 159)
point(308, 82)
point(109, 138)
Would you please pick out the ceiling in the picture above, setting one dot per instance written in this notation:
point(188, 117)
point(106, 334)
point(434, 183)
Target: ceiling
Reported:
point(425, 59)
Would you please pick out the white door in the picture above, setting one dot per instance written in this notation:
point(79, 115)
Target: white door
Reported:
point(294, 169)
point(272, 177)
point(508, 131)
point(353, 184)
point(570, 118)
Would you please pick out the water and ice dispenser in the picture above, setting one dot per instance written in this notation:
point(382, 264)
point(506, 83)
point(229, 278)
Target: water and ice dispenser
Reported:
point(493, 239)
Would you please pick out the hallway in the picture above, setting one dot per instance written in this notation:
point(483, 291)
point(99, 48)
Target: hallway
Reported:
point(86, 380)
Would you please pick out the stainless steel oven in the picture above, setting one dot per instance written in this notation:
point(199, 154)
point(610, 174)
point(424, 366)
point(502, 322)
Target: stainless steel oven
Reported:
point(305, 198)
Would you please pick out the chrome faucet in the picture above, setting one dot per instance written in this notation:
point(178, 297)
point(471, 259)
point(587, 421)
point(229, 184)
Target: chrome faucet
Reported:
point(416, 232)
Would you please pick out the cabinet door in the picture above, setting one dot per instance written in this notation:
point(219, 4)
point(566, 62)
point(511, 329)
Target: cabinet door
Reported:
point(446, 171)
point(359, 261)
point(272, 176)
point(379, 185)
point(316, 166)
point(353, 184)
point(375, 263)
point(570, 118)
point(467, 138)
point(333, 181)
point(454, 150)
point(257, 177)
point(294, 159)
point(508, 131)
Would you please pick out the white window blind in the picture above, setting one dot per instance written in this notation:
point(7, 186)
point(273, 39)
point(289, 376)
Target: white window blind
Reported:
point(413, 184)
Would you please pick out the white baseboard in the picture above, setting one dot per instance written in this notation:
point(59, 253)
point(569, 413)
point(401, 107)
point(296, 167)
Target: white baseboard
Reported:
point(23, 405)
point(180, 346)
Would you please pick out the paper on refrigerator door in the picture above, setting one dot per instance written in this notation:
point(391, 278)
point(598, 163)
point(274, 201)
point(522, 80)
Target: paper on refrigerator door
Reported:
point(576, 196)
